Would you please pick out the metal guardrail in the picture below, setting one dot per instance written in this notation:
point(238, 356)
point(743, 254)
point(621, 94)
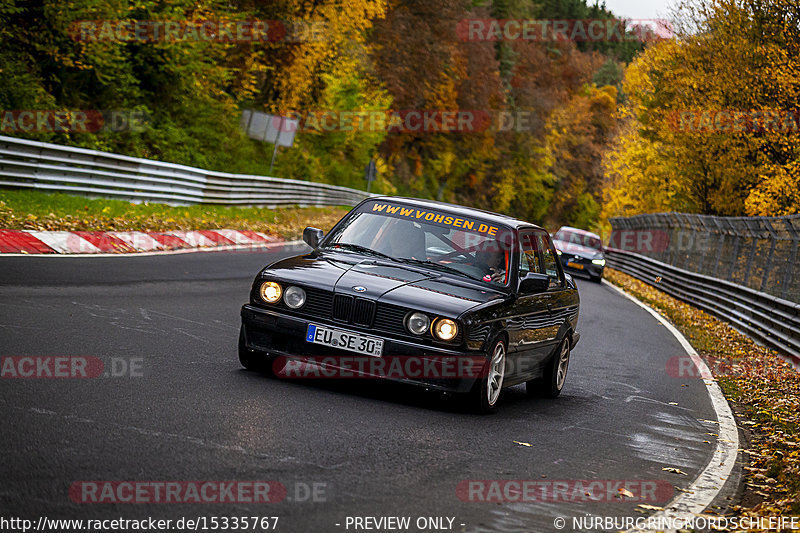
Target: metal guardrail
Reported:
point(756, 252)
point(57, 168)
point(771, 320)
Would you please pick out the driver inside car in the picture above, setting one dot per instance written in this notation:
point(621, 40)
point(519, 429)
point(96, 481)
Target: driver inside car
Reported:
point(497, 272)
point(494, 263)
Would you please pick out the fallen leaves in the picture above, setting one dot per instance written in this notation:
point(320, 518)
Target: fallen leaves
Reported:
point(648, 507)
point(528, 444)
point(674, 471)
point(764, 390)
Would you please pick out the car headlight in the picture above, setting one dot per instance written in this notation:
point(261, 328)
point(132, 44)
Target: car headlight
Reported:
point(418, 323)
point(599, 262)
point(294, 297)
point(445, 329)
point(271, 292)
point(558, 252)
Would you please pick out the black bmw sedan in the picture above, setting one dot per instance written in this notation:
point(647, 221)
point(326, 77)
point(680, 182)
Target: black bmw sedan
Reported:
point(581, 252)
point(426, 293)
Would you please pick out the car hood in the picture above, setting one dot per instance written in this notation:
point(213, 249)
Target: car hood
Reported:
point(572, 248)
point(383, 280)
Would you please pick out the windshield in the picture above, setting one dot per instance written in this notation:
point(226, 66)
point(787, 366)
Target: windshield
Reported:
point(438, 240)
point(589, 240)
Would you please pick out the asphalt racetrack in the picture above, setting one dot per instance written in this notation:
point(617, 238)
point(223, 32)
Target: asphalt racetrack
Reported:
point(179, 407)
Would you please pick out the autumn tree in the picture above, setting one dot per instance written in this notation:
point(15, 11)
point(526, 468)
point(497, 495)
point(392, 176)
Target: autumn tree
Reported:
point(425, 67)
point(528, 153)
point(578, 134)
point(712, 121)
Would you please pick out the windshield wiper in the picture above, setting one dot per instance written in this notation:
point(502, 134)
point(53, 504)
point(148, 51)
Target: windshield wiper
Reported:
point(448, 268)
point(358, 248)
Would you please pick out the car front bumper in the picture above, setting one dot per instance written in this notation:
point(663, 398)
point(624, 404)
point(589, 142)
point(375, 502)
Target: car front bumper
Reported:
point(284, 337)
point(589, 269)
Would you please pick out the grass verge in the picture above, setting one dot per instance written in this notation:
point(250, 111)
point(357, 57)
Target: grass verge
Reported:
point(763, 392)
point(35, 210)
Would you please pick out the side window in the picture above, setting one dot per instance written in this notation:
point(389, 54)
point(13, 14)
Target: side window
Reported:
point(528, 255)
point(549, 258)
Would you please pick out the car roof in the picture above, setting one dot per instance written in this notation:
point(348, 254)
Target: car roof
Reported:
point(578, 230)
point(488, 216)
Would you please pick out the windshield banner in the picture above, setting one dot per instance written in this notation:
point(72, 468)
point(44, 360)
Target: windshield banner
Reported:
point(432, 217)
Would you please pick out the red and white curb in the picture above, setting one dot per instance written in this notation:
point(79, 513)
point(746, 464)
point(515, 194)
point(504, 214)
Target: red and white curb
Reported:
point(29, 242)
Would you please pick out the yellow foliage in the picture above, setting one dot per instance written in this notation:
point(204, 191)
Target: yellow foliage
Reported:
point(342, 25)
point(777, 193)
point(740, 57)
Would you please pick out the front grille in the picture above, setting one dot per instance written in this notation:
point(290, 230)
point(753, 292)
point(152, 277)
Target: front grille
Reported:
point(391, 318)
point(318, 303)
point(358, 311)
point(363, 312)
point(342, 306)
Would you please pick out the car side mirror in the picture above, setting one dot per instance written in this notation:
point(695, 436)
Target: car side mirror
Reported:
point(534, 282)
point(312, 236)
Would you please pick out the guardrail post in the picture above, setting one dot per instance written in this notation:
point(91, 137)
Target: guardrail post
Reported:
point(720, 246)
point(675, 241)
point(788, 273)
point(706, 242)
point(755, 238)
point(735, 254)
point(773, 237)
point(688, 223)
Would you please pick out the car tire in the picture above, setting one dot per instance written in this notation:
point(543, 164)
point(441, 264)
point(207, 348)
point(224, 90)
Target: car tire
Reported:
point(555, 374)
point(253, 360)
point(596, 279)
point(485, 395)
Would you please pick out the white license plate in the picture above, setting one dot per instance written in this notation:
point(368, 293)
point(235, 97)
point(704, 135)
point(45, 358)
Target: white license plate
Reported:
point(344, 340)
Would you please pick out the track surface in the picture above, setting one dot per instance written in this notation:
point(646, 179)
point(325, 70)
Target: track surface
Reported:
point(194, 414)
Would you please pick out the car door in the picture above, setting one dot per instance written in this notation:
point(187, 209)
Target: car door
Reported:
point(555, 299)
point(531, 329)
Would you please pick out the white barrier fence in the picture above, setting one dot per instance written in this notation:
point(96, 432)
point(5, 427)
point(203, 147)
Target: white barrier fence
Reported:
point(57, 168)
